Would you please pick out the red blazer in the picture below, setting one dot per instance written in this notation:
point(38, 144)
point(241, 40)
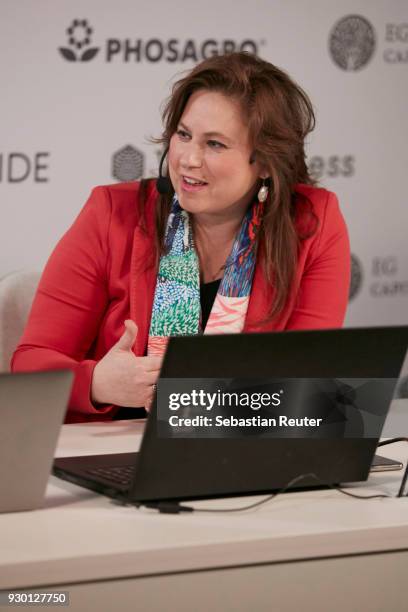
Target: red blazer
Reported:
point(99, 275)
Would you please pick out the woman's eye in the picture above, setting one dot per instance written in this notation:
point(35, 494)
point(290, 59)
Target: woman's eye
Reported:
point(216, 145)
point(182, 134)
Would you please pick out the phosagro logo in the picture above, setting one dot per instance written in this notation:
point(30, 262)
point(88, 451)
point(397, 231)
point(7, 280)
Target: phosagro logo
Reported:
point(79, 40)
point(352, 42)
point(356, 277)
point(127, 164)
point(131, 50)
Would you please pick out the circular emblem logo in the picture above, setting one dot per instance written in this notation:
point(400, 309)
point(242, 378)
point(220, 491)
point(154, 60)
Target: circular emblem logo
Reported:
point(352, 42)
point(356, 277)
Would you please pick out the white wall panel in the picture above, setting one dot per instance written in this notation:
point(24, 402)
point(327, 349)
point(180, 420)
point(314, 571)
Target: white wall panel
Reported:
point(79, 113)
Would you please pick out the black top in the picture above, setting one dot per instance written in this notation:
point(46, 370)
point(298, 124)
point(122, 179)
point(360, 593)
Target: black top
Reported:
point(208, 291)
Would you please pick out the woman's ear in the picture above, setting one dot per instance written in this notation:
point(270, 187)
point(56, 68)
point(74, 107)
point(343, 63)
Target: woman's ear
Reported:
point(263, 172)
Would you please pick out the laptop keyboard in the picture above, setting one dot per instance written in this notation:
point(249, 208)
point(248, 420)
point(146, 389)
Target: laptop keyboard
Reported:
point(122, 475)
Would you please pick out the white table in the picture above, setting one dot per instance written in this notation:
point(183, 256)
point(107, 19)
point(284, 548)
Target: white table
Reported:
point(316, 550)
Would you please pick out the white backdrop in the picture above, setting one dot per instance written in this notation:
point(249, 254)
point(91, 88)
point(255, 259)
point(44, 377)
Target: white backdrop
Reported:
point(77, 115)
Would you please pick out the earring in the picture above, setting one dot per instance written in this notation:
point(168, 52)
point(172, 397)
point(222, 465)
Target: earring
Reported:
point(263, 192)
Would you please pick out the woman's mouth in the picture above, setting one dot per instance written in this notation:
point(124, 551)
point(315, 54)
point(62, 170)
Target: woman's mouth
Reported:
point(188, 183)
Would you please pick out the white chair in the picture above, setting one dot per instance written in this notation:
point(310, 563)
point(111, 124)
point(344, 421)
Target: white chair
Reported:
point(16, 295)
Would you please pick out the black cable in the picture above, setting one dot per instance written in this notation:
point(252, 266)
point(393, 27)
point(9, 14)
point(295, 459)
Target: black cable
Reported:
point(286, 488)
point(405, 475)
point(175, 507)
point(392, 441)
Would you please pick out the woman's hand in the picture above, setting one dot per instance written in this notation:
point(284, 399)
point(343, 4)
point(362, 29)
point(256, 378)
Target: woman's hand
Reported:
point(121, 378)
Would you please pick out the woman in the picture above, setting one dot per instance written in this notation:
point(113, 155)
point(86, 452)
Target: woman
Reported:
point(241, 241)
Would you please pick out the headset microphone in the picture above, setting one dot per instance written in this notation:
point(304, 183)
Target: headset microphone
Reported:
point(163, 184)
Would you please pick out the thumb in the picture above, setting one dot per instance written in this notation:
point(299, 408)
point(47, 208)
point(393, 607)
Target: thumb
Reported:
point(128, 338)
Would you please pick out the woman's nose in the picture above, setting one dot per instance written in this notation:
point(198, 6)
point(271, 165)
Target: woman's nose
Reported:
point(192, 156)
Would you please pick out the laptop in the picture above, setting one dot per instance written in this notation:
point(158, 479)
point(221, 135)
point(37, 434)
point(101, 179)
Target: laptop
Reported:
point(195, 468)
point(32, 410)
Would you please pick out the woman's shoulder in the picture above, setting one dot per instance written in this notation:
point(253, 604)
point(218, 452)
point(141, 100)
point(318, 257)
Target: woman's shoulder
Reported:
point(318, 215)
point(319, 197)
point(316, 208)
point(122, 205)
point(127, 197)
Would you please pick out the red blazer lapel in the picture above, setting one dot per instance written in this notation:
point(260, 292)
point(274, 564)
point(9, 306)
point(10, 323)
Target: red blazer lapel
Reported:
point(259, 303)
point(143, 275)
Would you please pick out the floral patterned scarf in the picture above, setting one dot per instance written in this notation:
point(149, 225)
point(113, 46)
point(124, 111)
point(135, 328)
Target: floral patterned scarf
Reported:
point(176, 304)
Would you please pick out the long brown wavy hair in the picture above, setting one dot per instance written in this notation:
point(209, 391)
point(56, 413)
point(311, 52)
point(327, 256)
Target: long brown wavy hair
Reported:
point(279, 115)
